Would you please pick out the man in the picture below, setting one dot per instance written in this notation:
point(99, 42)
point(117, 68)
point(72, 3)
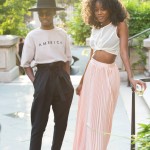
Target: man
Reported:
point(49, 47)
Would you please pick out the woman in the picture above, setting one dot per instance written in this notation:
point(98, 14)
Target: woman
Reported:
point(99, 86)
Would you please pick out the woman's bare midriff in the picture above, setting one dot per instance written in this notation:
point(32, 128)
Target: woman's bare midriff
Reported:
point(104, 57)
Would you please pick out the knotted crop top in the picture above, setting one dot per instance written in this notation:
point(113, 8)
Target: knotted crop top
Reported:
point(106, 39)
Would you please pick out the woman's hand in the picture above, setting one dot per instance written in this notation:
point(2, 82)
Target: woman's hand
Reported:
point(135, 82)
point(78, 89)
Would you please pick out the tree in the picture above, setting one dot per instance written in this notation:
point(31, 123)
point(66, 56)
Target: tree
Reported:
point(67, 2)
point(15, 16)
point(77, 28)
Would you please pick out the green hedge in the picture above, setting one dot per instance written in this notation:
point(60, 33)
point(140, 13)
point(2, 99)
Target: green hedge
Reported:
point(139, 16)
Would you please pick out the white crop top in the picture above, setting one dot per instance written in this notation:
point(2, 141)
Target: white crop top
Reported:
point(106, 39)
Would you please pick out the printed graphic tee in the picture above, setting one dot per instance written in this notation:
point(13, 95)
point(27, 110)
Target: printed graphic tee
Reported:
point(46, 46)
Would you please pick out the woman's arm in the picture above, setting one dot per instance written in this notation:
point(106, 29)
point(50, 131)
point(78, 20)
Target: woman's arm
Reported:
point(123, 34)
point(78, 89)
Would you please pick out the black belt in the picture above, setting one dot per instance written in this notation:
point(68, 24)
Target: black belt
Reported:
point(51, 65)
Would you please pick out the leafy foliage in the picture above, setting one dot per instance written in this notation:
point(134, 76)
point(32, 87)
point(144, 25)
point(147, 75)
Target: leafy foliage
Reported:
point(14, 16)
point(143, 137)
point(77, 28)
point(67, 2)
point(139, 16)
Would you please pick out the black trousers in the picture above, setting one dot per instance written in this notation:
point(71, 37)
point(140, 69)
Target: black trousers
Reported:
point(52, 88)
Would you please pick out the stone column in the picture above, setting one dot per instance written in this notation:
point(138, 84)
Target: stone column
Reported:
point(8, 68)
point(146, 44)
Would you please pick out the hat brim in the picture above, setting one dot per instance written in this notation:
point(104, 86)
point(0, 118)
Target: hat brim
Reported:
point(38, 8)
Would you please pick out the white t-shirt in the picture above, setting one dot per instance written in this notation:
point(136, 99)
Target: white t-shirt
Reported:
point(46, 46)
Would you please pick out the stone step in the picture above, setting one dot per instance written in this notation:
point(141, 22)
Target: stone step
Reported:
point(142, 110)
point(146, 95)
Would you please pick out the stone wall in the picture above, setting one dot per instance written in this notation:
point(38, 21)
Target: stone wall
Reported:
point(146, 44)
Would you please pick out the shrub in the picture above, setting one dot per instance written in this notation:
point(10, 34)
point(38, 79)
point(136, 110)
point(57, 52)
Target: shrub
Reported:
point(143, 137)
point(77, 28)
point(139, 16)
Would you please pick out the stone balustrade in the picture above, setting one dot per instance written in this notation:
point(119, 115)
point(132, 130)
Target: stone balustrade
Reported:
point(8, 68)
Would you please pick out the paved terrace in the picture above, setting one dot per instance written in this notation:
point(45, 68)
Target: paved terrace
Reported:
point(15, 102)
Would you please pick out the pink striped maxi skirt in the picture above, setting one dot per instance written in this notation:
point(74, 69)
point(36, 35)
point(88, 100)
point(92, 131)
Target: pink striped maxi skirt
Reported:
point(96, 106)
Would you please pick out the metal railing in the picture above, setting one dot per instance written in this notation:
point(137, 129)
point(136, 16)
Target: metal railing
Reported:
point(135, 36)
point(133, 123)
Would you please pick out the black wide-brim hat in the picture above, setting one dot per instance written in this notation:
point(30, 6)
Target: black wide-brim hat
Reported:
point(46, 4)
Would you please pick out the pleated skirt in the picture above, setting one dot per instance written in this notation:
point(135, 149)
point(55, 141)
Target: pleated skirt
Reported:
point(96, 106)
